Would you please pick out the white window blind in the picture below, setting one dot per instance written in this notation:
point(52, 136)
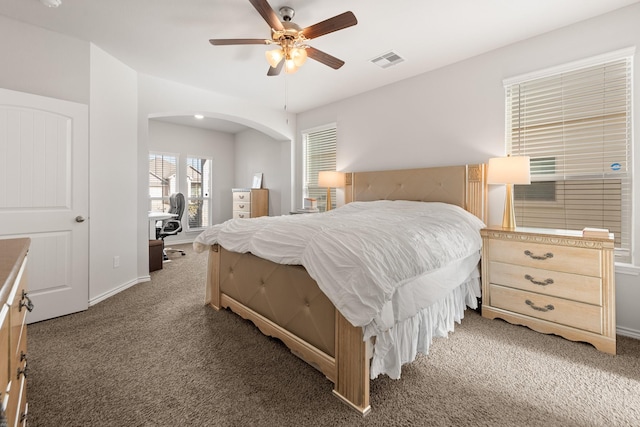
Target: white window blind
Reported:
point(319, 155)
point(576, 127)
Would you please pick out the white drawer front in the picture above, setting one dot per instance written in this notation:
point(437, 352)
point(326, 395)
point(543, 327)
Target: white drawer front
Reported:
point(549, 257)
point(241, 214)
point(554, 283)
point(241, 196)
point(242, 206)
point(557, 310)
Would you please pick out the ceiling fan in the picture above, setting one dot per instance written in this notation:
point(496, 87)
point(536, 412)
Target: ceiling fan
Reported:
point(292, 50)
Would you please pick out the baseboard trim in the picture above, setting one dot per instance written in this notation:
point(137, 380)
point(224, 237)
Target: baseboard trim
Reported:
point(626, 332)
point(117, 290)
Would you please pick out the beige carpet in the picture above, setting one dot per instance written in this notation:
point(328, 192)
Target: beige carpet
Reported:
point(154, 355)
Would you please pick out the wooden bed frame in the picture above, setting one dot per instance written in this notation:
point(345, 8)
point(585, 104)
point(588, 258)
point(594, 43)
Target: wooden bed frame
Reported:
point(307, 322)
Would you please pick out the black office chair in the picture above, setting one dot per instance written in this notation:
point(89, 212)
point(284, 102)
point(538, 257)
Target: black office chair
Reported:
point(171, 227)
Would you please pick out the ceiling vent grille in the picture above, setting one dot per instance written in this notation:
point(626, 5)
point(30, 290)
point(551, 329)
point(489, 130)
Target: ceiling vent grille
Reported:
point(387, 60)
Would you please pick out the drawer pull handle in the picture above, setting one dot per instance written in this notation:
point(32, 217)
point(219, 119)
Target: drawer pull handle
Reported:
point(537, 282)
point(24, 371)
point(241, 196)
point(241, 216)
point(241, 206)
point(548, 307)
point(539, 257)
point(28, 305)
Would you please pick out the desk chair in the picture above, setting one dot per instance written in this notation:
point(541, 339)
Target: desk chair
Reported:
point(171, 227)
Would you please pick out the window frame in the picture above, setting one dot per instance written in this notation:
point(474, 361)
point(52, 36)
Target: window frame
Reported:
point(189, 197)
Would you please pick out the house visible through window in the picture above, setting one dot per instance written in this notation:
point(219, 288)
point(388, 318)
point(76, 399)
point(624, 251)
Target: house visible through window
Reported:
point(195, 185)
point(162, 180)
point(575, 124)
point(199, 192)
point(319, 154)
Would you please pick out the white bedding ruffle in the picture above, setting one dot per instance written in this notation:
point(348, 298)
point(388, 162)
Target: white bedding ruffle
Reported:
point(402, 343)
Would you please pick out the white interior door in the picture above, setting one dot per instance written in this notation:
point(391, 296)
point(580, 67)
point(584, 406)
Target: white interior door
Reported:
point(44, 192)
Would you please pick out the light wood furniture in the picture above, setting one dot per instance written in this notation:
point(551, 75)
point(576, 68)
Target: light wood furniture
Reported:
point(13, 330)
point(250, 202)
point(284, 302)
point(553, 282)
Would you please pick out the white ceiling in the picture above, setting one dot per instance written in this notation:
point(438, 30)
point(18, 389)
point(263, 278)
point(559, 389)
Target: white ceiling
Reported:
point(170, 39)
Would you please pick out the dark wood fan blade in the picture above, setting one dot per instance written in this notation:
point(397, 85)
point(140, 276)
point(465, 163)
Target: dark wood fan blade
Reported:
point(325, 58)
point(330, 25)
point(275, 71)
point(224, 42)
point(267, 14)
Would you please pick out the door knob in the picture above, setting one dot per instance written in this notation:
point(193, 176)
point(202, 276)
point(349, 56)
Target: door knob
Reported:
point(79, 218)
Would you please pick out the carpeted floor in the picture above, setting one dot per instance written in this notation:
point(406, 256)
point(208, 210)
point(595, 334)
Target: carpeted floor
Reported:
point(154, 355)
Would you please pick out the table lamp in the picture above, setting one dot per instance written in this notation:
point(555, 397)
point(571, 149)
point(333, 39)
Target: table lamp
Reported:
point(330, 179)
point(509, 170)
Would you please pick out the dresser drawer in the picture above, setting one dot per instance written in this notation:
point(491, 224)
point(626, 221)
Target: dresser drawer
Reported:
point(242, 206)
point(241, 214)
point(571, 286)
point(557, 310)
point(547, 256)
point(241, 196)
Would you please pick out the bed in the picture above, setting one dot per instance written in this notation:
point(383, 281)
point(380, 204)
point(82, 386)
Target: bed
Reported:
point(283, 300)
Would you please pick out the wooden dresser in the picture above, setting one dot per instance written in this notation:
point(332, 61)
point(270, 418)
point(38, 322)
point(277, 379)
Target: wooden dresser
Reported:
point(553, 282)
point(250, 202)
point(13, 330)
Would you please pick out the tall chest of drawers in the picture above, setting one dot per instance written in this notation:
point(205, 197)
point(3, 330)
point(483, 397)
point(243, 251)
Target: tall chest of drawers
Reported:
point(555, 283)
point(13, 330)
point(250, 202)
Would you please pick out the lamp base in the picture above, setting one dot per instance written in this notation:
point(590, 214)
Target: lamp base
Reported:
point(328, 207)
point(509, 217)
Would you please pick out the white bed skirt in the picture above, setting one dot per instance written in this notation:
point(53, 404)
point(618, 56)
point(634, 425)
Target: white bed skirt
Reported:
point(402, 343)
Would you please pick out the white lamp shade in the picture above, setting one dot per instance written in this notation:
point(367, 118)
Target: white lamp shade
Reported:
point(331, 179)
point(509, 170)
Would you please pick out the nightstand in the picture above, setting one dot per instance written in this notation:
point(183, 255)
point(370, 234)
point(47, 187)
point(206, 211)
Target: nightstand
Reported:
point(250, 202)
point(554, 282)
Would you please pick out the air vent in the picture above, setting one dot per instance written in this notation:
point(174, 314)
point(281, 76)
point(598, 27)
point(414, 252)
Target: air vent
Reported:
point(387, 60)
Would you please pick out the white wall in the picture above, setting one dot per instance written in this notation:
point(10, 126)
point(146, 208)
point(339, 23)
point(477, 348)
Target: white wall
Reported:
point(38, 61)
point(256, 152)
point(113, 178)
point(455, 115)
point(187, 141)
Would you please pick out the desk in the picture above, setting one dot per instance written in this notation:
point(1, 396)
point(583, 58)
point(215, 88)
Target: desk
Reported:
point(155, 217)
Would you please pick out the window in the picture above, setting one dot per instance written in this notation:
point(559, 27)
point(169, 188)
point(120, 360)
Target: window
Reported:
point(162, 180)
point(575, 124)
point(198, 192)
point(319, 154)
point(195, 185)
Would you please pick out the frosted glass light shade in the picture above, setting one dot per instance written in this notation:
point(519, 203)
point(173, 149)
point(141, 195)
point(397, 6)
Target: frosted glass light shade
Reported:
point(509, 170)
point(274, 57)
point(299, 56)
point(331, 179)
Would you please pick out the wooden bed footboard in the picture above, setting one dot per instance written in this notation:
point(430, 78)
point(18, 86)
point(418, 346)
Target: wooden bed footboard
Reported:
point(347, 368)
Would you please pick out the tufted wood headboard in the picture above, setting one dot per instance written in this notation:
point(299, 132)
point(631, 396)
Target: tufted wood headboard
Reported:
point(464, 186)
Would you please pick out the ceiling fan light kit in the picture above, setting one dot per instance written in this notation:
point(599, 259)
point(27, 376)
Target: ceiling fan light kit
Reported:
point(292, 50)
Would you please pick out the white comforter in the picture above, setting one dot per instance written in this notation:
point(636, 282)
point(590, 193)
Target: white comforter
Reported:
point(377, 262)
